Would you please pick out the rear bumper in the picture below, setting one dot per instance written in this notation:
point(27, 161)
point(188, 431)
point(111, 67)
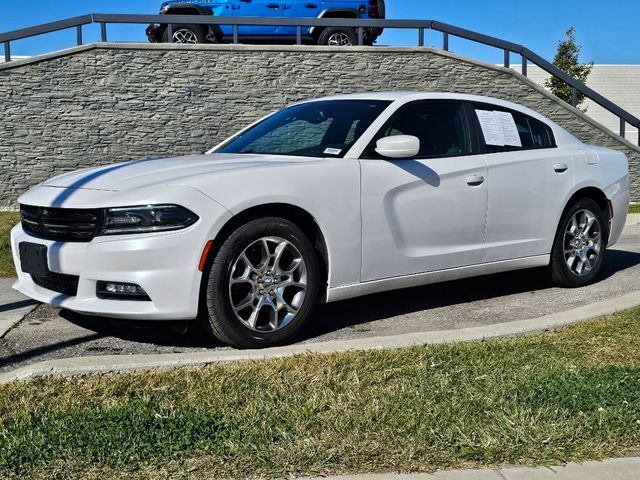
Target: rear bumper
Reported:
point(618, 195)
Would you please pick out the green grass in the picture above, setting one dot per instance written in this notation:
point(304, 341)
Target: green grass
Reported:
point(7, 221)
point(634, 208)
point(572, 394)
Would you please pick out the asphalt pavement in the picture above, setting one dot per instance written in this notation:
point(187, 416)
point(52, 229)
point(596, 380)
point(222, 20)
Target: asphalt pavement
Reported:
point(48, 333)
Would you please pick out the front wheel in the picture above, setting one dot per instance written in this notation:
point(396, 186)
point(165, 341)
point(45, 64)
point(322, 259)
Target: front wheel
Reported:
point(338, 37)
point(263, 285)
point(580, 244)
point(189, 34)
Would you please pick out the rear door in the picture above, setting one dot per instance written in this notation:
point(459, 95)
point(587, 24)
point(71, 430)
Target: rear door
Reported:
point(258, 8)
point(300, 9)
point(528, 181)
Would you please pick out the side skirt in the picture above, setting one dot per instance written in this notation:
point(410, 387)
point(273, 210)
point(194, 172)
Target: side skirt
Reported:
point(366, 288)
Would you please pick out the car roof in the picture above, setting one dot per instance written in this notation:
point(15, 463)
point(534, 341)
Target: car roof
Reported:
point(409, 95)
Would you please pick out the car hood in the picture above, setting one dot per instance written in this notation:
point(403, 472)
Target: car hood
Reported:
point(166, 171)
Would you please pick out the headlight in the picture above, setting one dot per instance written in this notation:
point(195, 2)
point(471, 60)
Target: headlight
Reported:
point(145, 219)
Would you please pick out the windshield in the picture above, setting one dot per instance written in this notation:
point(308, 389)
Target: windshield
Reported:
point(325, 128)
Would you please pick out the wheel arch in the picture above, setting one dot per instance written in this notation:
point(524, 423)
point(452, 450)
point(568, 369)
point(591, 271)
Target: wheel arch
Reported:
point(594, 193)
point(187, 9)
point(295, 214)
point(333, 13)
point(194, 9)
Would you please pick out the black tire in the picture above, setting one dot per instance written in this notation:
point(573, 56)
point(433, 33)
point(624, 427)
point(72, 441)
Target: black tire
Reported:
point(561, 274)
point(194, 33)
point(331, 35)
point(221, 320)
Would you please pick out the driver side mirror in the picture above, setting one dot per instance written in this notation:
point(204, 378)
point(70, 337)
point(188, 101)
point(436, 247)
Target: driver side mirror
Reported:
point(398, 146)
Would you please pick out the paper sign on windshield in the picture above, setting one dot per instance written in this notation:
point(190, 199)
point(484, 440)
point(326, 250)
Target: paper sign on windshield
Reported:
point(499, 128)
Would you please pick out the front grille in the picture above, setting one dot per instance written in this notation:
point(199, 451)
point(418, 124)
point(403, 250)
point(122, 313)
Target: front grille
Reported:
point(62, 224)
point(58, 282)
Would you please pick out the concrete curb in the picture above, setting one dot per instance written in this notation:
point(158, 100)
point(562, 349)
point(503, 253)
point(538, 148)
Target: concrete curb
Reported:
point(614, 469)
point(122, 363)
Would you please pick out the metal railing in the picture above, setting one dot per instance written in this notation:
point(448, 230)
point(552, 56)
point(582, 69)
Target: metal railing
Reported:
point(360, 25)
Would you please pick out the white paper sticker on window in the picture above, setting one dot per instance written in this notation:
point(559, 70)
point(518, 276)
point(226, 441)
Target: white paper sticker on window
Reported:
point(491, 128)
point(509, 129)
point(332, 151)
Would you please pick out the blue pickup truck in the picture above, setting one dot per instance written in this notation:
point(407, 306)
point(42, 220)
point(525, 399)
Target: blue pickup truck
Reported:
point(336, 36)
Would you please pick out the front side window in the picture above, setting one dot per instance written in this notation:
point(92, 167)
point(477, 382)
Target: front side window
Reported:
point(325, 128)
point(440, 126)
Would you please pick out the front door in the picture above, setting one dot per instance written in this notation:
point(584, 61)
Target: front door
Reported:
point(426, 213)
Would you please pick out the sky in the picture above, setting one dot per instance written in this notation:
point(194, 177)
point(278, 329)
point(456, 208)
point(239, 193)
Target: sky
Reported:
point(608, 31)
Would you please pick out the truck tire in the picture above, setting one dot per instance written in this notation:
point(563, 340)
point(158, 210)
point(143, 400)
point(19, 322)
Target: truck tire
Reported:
point(188, 34)
point(338, 37)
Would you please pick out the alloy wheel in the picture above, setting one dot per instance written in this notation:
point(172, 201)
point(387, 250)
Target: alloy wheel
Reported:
point(339, 39)
point(268, 284)
point(582, 242)
point(184, 35)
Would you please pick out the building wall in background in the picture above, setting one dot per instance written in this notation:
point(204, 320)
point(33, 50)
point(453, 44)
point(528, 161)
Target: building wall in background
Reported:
point(618, 83)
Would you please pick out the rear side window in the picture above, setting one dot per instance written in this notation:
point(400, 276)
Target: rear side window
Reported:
point(440, 126)
point(533, 133)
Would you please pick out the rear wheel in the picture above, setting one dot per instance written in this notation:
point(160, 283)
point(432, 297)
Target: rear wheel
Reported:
point(338, 37)
point(189, 34)
point(580, 245)
point(263, 285)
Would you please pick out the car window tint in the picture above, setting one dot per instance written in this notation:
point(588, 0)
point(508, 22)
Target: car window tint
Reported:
point(523, 129)
point(325, 128)
point(541, 133)
point(441, 128)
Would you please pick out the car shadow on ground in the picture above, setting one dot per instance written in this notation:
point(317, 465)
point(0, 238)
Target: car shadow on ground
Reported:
point(356, 312)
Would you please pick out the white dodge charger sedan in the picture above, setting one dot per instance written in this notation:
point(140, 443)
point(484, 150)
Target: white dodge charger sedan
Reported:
point(324, 200)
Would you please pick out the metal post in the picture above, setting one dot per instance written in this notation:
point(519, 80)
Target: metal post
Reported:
point(235, 34)
point(445, 41)
point(298, 35)
point(507, 59)
point(79, 35)
point(103, 31)
point(170, 32)
point(360, 36)
point(524, 65)
point(7, 52)
point(574, 97)
point(421, 37)
point(622, 126)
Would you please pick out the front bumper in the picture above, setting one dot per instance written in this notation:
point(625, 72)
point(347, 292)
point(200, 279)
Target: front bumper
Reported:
point(155, 31)
point(165, 265)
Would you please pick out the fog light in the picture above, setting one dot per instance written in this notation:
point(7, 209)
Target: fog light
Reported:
point(121, 291)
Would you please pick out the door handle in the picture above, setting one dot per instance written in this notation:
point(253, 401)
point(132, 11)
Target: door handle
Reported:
point(310, 5)
point(235, 7)
point(273, 5)
point(561, 167)
point(475, 180)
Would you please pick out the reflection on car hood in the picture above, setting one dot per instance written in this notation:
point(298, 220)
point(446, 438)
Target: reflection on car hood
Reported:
point(166, 171)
